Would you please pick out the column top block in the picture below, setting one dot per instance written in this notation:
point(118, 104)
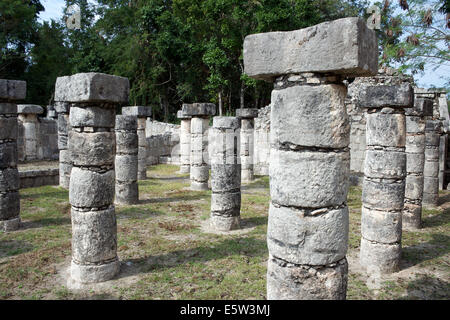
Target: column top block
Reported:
point(344, 46)
point(380, 96)
point(422, 107)
point(12, 90)
point(226, 122)
point(247, 113)
point(433, 126)
point(137, 111)
point(62, 107)
point(199, 109)
point(29, 109)
point(124, 122)
point(92, 87)
point(181, 115)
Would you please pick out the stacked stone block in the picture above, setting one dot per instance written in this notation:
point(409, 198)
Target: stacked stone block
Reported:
point(384, 172)
point(415, 159)
point(10, 92)
point(431, 167)
point(126, 163)
point(94, 98)
point(225, 174)
point(185, 142)
point(141, 113)
point(65, 163)
point(309, 157)
point(247, 116)
point(28, 117)
point(199, 171)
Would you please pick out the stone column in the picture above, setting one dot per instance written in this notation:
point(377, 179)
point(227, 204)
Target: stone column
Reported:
point(307, 232)
point(126, 163)
point(415, 158)
point(200, 113)
point(94, 98)
point(247, 117)
point(225, 174)
point(28, 117)
point(10, 92)
point(185, 142)
point(431, 167)
point(141, 113)
point(65, 163)
point(384, 172)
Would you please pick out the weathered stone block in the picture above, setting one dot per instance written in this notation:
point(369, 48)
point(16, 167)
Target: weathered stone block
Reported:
point(126, 123)
point(287, 281)
point(247, 113)
point(379, 257)
point(383, 195)
point(8, 108)
point(137, 111)
point(9, 179)
point(381, 226)
point(431, 154)
point(343, 46)
point(92, 149)
point(94, 273)
point(415, 162)
point(432, 139)
point(385, 164)
point(92, 87)
point(431, 169)
point(317, 113)
point(225, 177)
point(94, 235)
point(29, 109)
point(414, 125)
point(415, 144)
point(226, 202)
point(199, 173)
point(380, 96)
point(8, 128)
point(302, 237)
point(89, 189)
point(127, 193)
point(126, 143)
point(181, 115)
point(9, 205)
point(199, 109)
point(126, 167)
point(8, 154)
point(384, 129)
point(414, 187)
point(309, 179)
point(12, 90)
point(199, 126)
point(412, 216)
point(62, 107)
point(92, 117)
point(422, 107)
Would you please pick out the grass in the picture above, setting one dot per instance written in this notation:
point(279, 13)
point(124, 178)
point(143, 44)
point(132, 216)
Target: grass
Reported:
point(165, 253)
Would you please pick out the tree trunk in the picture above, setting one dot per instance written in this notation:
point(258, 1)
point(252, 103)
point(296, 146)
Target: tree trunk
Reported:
point(242, 95)
point(220, 103)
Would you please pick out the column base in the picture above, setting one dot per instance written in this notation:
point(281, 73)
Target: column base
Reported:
point(380, 258)
point(286, 281)
point(199, 186)
point(225, 223)
point(10, 225)
point(94, 273)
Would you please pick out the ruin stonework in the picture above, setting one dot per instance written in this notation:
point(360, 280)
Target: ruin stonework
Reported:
point(225, 174)
point(65, 163)
point(28, 116)
point(94, 98)
point(262, 142)
point(10, 92)
point(415, 159)
point(247, 116)
point(185, 142)
point(309, 157)
point(199, 171)
point(126, 162)
point(384, 97)
point(431, 167)
point(142, 113)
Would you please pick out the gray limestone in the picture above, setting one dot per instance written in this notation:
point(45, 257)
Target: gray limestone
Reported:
point(199, 109)
point(10, 91)
point(225, 173)
point(29, 109)
point(185, 142)
point(65, 160)
point(431, 166)
point(415, 162)
point(247, 116)
point(126, 162)
point(385, 167)
point(91, 146)
point(343, 46)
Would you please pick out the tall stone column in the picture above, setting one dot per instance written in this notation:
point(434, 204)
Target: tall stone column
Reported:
point(185, 142)
point(384, 172)
point(307, 232)
point(247, 116)
point(431, 167)
point(199, 171)
point(65, 163)
point(415, 159)
point(28, 114)
point(10, 92)
point(225, 174)
point(94, 98)
point(126, 163)
point(141, 113)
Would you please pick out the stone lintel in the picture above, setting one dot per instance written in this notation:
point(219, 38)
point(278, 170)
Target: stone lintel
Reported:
point(92, 87)
point(248, 113)
point(29, 109)
point(182, 116)
point(226, 122)
point(381, 96)
point(12, 90)
point(199, 109)
point(344, 46)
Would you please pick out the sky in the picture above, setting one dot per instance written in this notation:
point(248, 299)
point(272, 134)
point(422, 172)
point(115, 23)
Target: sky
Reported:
point(54, 10)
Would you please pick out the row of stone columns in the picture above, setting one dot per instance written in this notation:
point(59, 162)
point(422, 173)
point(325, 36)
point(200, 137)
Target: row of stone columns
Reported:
point(94, 98)
point(10, 92)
